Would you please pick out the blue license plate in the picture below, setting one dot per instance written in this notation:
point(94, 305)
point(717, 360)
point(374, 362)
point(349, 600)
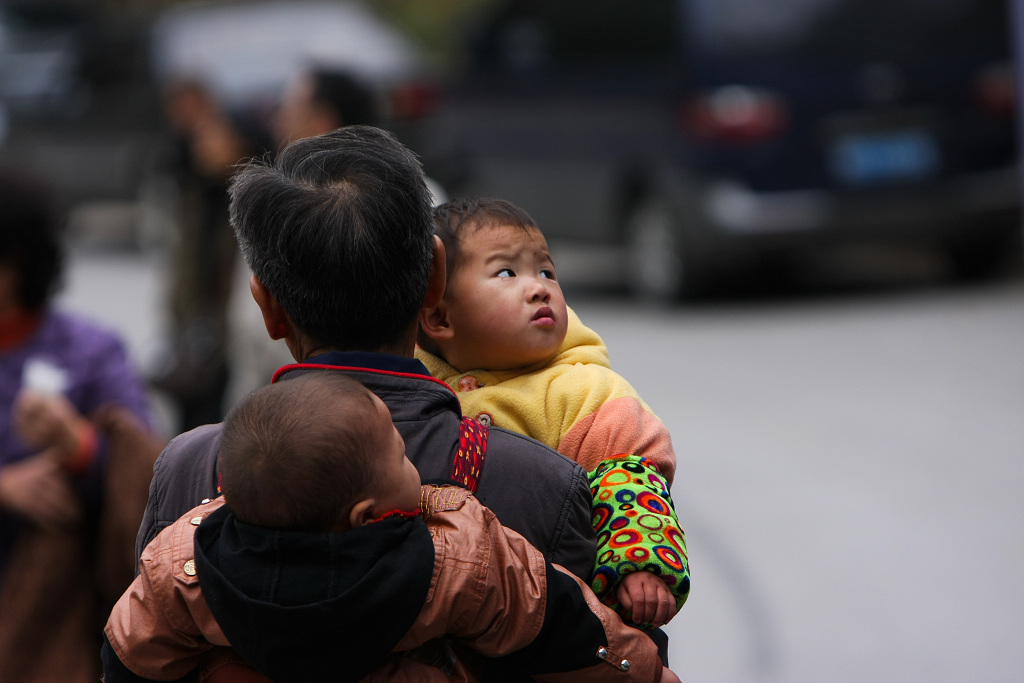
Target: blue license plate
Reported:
point(885, 157)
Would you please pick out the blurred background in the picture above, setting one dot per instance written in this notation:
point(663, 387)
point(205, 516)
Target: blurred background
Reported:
point(795, 222)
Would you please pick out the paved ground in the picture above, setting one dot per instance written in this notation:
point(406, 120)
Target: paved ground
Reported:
point(850, 481)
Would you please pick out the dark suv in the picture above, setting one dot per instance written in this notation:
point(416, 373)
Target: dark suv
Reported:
point(696, 132)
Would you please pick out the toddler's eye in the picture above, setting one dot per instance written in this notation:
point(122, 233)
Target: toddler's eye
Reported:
point(548, 274)
point(505, 272)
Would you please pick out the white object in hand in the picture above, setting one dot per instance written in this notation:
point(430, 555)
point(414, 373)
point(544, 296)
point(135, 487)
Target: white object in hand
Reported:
point(44, 377)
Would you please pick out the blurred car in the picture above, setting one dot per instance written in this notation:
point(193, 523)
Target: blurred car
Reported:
point(701, 134)
point(75, 104)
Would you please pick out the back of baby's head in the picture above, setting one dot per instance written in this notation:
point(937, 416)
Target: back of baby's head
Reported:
point(297, 454)
point(457, 219)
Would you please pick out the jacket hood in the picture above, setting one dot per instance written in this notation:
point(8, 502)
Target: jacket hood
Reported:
point(581, 345)
point(304, 606)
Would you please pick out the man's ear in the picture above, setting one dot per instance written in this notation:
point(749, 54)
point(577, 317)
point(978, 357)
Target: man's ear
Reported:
point(438, 276)
point(277, 322)
point(362, 513)
point(435, 324)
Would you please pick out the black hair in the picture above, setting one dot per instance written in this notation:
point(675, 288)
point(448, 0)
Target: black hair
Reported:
point(30, 238)
point(297, 454)
point(456, 219)
point(339, 230)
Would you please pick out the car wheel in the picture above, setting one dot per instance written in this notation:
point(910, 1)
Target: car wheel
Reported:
point(983, 258)
point(655, 261)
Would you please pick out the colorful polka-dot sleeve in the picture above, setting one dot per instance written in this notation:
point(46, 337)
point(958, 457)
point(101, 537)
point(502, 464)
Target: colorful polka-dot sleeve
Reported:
point(636, 527)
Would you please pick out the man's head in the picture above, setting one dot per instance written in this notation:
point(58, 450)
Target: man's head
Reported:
point(314, 453)
point(31, 252)
point(338, 231)
point(503, 308)
point(321, 99)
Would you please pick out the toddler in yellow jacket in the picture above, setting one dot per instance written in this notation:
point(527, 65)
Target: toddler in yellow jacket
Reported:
point(520, 359)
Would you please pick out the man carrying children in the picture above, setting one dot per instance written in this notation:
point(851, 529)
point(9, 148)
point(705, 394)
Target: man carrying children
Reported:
point(339, 236)
point(325, 559)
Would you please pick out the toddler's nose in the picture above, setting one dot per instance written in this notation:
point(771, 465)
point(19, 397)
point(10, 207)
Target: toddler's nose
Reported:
point(539, 290)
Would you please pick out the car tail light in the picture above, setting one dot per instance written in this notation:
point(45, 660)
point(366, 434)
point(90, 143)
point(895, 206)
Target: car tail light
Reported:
point(995, 89)
point(413, 100)
point(736, 114)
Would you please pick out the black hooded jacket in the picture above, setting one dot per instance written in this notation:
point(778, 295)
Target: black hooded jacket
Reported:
point(283, 597)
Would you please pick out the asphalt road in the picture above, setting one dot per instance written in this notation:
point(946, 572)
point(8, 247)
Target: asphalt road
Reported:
point(850, 474)
point(850, 470)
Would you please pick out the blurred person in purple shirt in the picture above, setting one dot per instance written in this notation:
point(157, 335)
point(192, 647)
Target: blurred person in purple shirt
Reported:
point(76, 455)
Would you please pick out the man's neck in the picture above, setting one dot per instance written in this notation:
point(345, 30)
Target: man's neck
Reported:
point(372, 361)
point(405, 347)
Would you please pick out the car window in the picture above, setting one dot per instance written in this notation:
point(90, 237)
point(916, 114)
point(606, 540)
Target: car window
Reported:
point(824, 27)
point(522, 35)
point(40, 54)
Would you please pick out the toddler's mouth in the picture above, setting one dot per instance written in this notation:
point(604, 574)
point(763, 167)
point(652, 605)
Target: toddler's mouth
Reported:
point(544, 317)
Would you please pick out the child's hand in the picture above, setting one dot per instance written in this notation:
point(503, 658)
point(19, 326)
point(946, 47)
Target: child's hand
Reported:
point(647, 597)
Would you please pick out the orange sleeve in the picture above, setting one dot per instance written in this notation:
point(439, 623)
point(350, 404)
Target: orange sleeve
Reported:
point(622, 425)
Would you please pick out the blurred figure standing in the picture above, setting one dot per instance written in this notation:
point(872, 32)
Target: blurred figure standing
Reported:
point(76, 457)
point(321, 99)
point(207, 144)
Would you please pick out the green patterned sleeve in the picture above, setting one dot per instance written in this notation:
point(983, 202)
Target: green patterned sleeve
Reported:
point(636, 527)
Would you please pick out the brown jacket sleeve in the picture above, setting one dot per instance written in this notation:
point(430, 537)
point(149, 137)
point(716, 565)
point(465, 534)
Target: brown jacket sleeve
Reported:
point(630, 654)
point(161, 627)
point(492, 591)
point(488, 588)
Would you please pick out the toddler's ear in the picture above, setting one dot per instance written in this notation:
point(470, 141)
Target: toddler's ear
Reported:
point(362, 513)
point(434, 322)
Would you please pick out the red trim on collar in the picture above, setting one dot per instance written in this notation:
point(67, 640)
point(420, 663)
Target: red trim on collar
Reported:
point(397, 513)
point(318, 366)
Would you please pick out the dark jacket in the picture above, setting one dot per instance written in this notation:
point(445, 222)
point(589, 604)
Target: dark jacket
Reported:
point(531, 488)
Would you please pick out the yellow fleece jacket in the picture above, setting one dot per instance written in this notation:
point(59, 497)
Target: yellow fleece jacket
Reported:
point(574, 403)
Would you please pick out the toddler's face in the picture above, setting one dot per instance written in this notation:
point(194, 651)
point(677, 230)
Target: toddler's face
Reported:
point(398, 480)
point(505, 306)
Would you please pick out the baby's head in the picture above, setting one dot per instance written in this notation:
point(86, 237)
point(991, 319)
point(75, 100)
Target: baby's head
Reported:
point(316, 453)
point(503, 308)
